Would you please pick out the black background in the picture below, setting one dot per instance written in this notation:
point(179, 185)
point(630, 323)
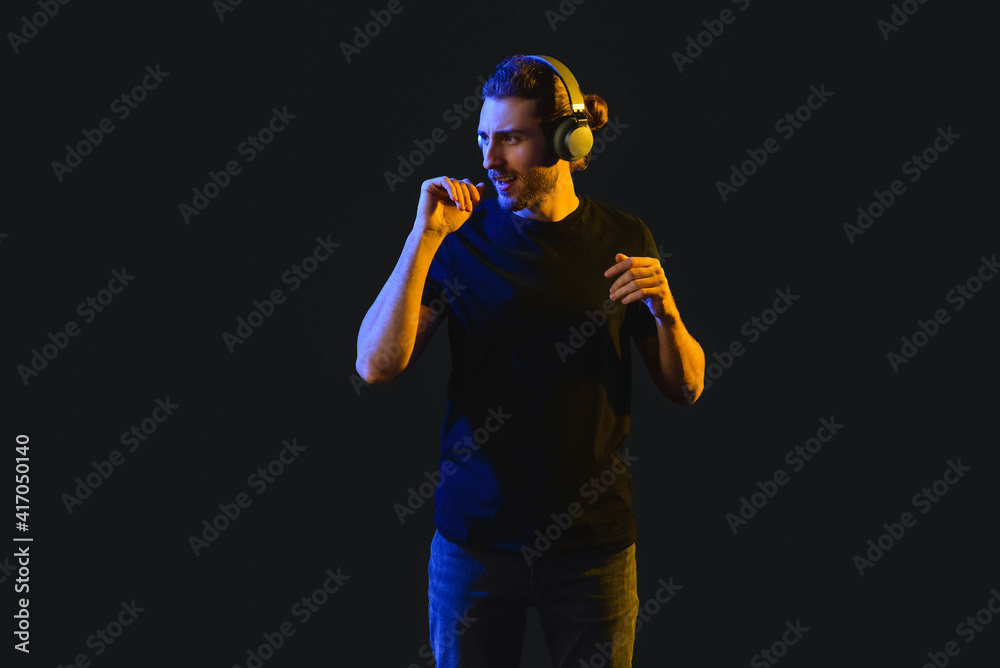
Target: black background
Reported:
point(324, 176)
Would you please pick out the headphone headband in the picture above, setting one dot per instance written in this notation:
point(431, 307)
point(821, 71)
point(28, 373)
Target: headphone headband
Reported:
point(572, 138)
point(569, 81)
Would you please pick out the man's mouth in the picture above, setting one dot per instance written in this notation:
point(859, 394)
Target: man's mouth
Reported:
point(503, 182)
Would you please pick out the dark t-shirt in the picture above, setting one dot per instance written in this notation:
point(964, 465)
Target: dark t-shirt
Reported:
point(539, 397)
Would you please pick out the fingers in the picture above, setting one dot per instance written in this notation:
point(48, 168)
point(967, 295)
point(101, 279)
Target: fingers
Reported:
point(644, 276)
point(460, 194)
point(476, 191)
point(465, 194)
point(641, 275)
point(473, 191)
point(621, 265)
point(628, 263)
point(455, 192)
point(442, 187)
point(446, 188)
point(637, 287)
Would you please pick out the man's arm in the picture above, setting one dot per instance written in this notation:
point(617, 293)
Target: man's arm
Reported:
point(675, 361)
point(397, 326)
point(397, 320)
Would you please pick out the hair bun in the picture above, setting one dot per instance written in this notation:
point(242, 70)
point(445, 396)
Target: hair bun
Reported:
point(597, 110)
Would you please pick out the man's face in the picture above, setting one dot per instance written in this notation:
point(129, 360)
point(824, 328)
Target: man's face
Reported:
point(516, 154)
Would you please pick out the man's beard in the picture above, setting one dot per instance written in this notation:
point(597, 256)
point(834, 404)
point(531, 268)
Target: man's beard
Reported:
point(532, 186)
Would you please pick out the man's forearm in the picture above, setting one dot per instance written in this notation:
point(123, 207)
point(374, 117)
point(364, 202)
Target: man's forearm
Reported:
point(682, 361)
point(388, 331)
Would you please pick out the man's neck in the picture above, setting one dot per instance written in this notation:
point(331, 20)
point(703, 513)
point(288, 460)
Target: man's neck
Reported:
point(558, 204)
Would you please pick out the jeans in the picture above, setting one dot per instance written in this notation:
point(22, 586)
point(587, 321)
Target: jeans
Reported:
point(477, 600)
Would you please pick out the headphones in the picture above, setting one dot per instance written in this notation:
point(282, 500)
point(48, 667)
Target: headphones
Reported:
point(572, 138)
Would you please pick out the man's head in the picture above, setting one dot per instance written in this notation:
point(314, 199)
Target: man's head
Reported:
point(521, 101)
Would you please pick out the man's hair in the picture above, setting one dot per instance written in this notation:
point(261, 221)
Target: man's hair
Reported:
point(518, 76)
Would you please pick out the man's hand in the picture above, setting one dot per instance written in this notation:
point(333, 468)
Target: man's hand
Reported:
point(642, 279)
point(445, 204)
point(675, 361)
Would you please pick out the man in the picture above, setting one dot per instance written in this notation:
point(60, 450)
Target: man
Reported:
point(543, 291)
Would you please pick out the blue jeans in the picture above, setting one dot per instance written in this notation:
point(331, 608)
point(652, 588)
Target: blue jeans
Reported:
point(477, 600)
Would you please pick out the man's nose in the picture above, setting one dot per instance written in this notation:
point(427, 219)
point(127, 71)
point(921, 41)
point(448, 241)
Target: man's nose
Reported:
point(492, 157)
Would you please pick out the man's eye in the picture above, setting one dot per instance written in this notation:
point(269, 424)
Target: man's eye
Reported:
point(509, 139)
